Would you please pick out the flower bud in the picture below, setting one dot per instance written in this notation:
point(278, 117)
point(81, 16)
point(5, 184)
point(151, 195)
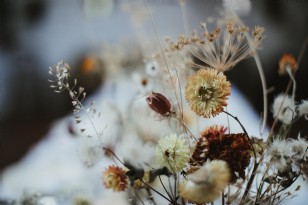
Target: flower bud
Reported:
point(159, 104)
point(287, 60)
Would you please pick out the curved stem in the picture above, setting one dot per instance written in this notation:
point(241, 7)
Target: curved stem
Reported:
point(293, 80)
point(300, 56)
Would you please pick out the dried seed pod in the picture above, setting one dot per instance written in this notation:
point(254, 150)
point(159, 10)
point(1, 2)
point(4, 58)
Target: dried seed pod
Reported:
point(160, 104)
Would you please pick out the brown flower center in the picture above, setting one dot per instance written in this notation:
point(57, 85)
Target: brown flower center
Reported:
point(205, 93)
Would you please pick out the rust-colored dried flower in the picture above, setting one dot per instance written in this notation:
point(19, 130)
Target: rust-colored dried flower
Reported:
point(207, 92)
point(287, 61)
point(114, 177)
point(160, 104)
point(199, 154)
point(235, 149)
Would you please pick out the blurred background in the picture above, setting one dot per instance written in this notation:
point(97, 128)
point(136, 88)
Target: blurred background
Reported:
point(36, 34)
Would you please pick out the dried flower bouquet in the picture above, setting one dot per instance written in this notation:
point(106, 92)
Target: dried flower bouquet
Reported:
point(187, 76)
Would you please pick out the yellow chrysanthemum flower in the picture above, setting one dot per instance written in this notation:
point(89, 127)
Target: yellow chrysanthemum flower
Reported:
point(207, 92)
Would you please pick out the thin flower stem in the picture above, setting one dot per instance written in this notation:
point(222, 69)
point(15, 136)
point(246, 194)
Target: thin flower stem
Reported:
point(163, 53)
point(157, 192)
point(184, 17)
point(87, 114)
point(300, 56)
point(222, 198)
point(293, 81)
point(251, 178)
point(262, 183)
point(235, 118)
point(170, 186)
point(243, 128)
point(140, 199)
point(183, 123)
point(281, 190)
point(161, 182)
point(256, 164)
point(181, 96)
point(175, 185)
point(150, 196)
point(264, 86)
point(261, 73)
point(110, 151)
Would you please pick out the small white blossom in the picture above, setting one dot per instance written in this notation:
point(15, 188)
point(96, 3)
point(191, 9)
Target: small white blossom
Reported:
point(135, 151)
point(284, 109)
point(280, 153)
point(89, 150)
point(152, 68)
point(241, 7)
point(143, 84)
point(303, 109)
point(61, 74)
point(298, 146)
point(173, 152)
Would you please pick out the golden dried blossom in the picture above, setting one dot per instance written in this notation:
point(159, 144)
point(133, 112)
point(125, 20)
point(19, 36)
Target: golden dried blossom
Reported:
point(287, 61)
point(114, 177)
point(207, 183)
point(173, 152)
point(207, 92)
point(221, 48)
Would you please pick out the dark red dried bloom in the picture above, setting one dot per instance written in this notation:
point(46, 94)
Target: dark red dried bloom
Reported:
point(160, 104)
point(235, 149)
point(199, 155)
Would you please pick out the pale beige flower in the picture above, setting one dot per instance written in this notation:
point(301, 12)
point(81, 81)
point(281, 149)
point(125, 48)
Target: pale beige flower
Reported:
point(303, 109)
point(298, 146)
point(207, 183)
point(173, 152)
point(114, 177)
point(284, 108)
point(207, 92)
point(280, 153)
point(221, 48)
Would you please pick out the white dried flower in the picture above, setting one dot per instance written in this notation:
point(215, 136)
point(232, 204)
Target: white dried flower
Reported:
point(89, 150)
point(135, 151)
point(284, 108)
point(280, 153)
point(152, 68)
point(241, 7)
point(143, 84)
point(303, 109)
point(61, 73)
point(298, 146)
point(207, 183)
point(173, 152)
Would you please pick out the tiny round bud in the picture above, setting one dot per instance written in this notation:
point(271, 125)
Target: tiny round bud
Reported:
point(287, 61)
point(159, 103)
